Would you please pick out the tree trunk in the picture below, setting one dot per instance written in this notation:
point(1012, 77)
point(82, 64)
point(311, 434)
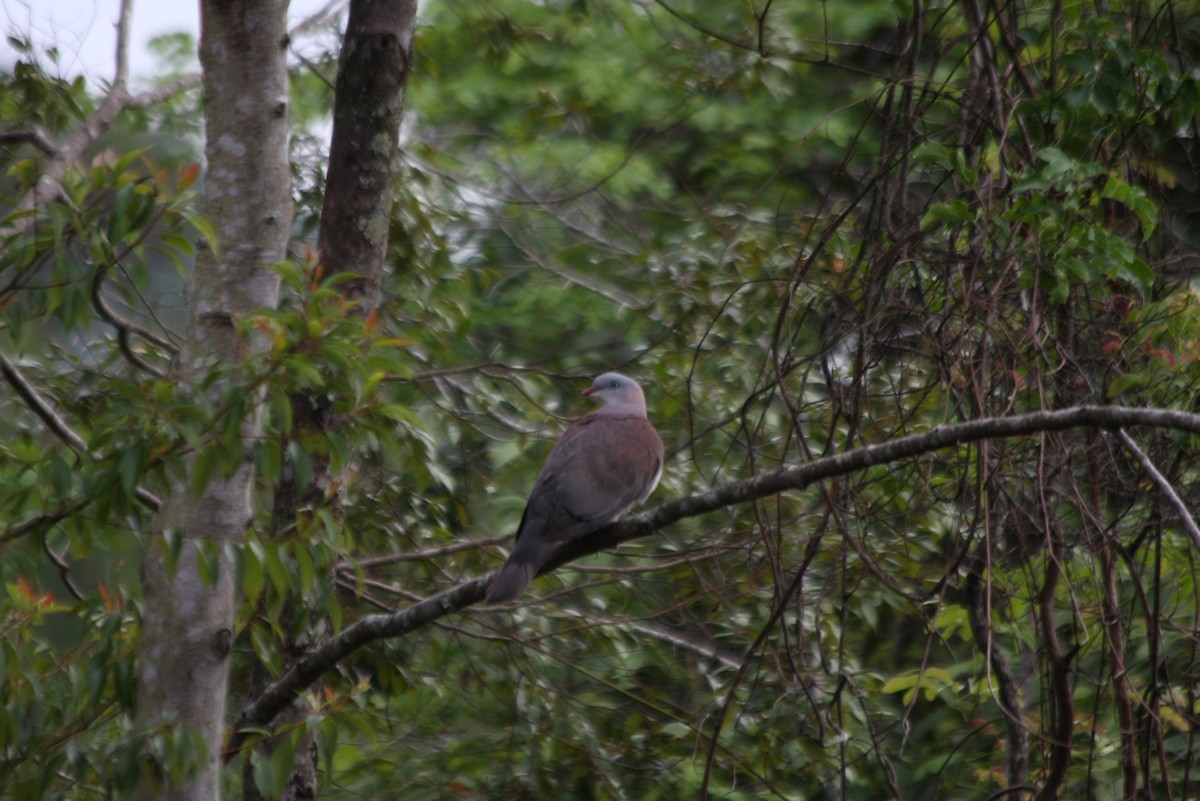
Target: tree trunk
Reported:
point(373, 71)
point(187, 622)
point(372, 74)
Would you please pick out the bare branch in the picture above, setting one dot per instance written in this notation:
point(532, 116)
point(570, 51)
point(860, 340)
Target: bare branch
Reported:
point(758, 47)
point(116, 100)
point(705, 648)
point(1185, 516)
point(125, 326)
point(1062, 699)
point(619, 298)
point(35, 136)
point(49, 184)
point(43, 520)
point(709, 32)
point(53, 421)
point(37, 404)
point(64, 569)
point(321, 16)
point(379, 626)
point(1009, 700)
point(124, 20)
point(157, 95)
point(417, 556)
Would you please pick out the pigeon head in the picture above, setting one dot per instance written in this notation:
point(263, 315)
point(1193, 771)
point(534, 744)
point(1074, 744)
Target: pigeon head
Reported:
point(619, 393)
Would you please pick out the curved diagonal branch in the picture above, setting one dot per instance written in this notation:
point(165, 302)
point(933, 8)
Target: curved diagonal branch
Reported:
point(1185, 516)
point(125, 326)
point(57, 426)
point(37, 404)
point(1062, 701)
point(118, 98)
point(1017, 734)
point(374, 627)
point(49, 184)
point(35, 135)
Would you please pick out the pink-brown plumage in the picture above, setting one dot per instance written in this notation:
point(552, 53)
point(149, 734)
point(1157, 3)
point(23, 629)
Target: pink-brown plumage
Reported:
point(602, 466)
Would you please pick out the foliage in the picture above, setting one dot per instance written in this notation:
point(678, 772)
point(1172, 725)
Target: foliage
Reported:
point(808, 227)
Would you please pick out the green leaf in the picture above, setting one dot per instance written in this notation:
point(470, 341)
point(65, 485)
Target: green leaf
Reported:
point(251, 563)
point(1136, 200)
point(900, 683)
point(1126, 382)
point(276, 569)
point(204, 228)
point(339, 449)
point(266, 779)
point(279, 409)
point(283, 757)
point(269, 460)
point(676, 730)
point(208, 562)
point(202, 469)
point(129, 466)
point(302, 469)
point(265, 647)
point(953, 212)
point(306, 569)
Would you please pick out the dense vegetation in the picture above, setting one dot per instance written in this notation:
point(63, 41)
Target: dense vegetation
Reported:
point(807, 228)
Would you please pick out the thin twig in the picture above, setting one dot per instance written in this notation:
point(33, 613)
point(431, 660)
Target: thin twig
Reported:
point(116, 100)
point(64, 569)
point(43, 520)
point(158, 94)
point(49, 183)
point(1164, 486)
point(35, 136)
point(54, 422)
point(417, 556)
point(330, 10)
point(37, 404)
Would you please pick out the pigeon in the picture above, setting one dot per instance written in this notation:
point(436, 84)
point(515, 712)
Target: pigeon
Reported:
point(602, 466)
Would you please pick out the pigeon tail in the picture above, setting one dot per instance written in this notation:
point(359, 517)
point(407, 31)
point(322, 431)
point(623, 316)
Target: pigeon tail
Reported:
point(522, 566)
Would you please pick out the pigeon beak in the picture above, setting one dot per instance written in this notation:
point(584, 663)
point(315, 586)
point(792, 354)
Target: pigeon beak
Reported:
point(589, 391)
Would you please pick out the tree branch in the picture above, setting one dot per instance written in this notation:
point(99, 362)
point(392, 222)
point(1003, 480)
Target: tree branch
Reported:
point(349, 567)
point(54, 422)
point(35, 136)
point(124, 325)
point(49, 184)
point(157, 95)
point(37, 404)
point(1185, 516)
point(42, 521)
point(1061, 700)
point(1009, 700)
point(379, 626)
point(116, 100)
